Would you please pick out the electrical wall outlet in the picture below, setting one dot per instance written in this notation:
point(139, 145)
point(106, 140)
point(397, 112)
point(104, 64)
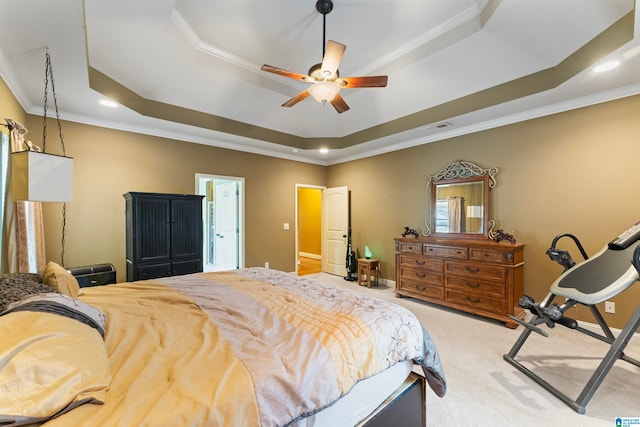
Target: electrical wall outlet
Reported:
point(609, 307)
point(266, 264)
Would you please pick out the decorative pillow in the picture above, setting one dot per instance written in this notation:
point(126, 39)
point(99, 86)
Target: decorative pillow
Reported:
point(61, 305)
point(60, 279)
point(16, 286)
point(49, 365)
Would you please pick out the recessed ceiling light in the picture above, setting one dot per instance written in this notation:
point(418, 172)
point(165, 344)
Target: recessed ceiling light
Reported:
point(108, 103)
point(606, 66)
point(324, 150)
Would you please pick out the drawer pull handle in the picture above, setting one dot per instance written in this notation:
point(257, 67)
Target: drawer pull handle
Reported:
point(430, 249)
point(472, 269)
point(458, 252)
point(420, 262)
point(421, 275)
point(420, 288)
point(473, 299)
point(473, 285)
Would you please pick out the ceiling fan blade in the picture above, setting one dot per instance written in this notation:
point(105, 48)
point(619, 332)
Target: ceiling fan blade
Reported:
point(370, 81)
point(339, 103)
point(332, 57)
point(281, 72)
point(299, 97)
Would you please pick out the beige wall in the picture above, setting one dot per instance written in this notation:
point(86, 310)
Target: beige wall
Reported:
point(574, 172)
point(109, 163)
point(10, 108)
point(571, 172)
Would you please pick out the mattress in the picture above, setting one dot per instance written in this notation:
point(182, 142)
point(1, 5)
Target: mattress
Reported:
point(362, 400)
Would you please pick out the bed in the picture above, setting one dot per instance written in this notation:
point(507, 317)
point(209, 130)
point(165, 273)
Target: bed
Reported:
point(249, 347)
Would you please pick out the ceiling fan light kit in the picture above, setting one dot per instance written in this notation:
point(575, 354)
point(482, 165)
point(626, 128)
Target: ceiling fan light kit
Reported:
point(325, 75)
point(324, 91)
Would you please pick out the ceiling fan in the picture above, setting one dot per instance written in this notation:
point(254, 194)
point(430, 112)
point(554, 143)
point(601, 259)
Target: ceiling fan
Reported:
point(325, 76)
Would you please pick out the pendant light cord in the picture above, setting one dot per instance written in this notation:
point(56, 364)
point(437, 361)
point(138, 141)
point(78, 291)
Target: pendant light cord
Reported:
point(48, 75)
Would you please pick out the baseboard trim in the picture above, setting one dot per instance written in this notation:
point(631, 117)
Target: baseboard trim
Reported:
point(308, 255)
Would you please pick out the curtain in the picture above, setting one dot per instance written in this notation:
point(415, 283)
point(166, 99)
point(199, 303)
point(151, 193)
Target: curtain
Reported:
point(23, 234)
point(455, 213)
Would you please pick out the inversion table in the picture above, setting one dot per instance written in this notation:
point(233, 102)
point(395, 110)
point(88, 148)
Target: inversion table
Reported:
point(597, 279)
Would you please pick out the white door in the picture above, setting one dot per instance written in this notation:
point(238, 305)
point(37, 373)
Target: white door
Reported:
point(226, 227)
point(335, 226)
point(223, 220)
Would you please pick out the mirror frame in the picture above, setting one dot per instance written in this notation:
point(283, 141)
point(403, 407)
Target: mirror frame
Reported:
point(460, 172)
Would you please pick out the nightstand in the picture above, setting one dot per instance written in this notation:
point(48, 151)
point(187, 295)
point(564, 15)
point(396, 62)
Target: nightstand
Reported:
point(370, 269)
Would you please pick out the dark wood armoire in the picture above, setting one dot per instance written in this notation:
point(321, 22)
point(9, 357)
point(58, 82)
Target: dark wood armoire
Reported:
point(163, 234)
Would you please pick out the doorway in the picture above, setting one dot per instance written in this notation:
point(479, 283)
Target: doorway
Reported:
point(321, 226)
point(223, 221)
point(308, 226)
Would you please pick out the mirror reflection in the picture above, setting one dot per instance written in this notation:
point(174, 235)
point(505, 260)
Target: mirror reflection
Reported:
point(459, 207)
point(459, 203)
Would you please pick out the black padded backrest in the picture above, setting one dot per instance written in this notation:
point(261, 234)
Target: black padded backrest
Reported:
point(598, 272)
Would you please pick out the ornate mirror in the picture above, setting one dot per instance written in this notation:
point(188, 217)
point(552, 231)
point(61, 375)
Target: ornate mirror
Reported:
point(460, 201)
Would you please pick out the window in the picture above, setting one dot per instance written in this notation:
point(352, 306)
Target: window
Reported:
point(4, 167)
point(442, 216)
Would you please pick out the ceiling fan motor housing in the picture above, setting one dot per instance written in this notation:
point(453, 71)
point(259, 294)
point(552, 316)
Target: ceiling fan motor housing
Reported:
point(316, 72)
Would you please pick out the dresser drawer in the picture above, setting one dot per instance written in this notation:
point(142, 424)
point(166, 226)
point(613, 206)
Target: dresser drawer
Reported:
point(473, 285)
point(430, 264)
point(490, 255)
point(446, 251)
point(421, 275)
point(422, 289)
point(415, 248)
point(468, 269)
point(476, 301)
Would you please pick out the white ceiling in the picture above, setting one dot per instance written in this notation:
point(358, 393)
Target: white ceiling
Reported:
point(205, 56)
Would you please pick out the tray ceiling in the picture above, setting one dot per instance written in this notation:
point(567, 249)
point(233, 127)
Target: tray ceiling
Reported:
point(190, 69)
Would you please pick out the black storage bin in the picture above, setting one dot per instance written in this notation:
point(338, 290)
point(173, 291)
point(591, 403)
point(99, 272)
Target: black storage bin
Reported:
point(94, 275)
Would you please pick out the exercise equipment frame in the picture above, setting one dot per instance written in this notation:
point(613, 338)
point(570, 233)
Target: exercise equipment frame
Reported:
point(550, 314)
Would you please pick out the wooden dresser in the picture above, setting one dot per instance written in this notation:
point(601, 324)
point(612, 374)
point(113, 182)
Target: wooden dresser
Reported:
point(477, 276)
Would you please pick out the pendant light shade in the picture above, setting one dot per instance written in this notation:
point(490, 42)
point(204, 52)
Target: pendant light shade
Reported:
point(41, 177)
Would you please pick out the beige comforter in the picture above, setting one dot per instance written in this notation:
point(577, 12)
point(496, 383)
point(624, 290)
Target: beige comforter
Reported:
point(252, 347)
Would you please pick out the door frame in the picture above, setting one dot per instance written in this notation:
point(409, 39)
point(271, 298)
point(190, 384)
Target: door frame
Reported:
point(199, 179)
point(297, 207)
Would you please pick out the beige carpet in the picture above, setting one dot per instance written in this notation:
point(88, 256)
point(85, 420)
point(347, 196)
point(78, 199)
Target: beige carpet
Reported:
point(485, 390)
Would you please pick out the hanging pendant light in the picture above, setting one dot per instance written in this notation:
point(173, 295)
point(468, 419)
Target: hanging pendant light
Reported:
point(38, 176)
point(41, 177)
